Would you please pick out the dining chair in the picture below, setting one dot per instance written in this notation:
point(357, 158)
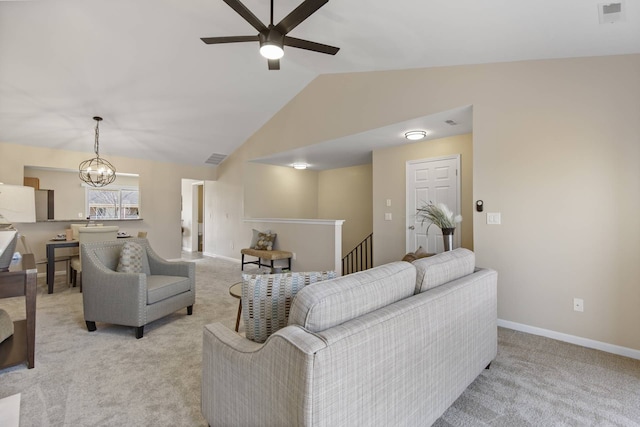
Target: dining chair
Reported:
point(75, 252)
point(75, 228)
point(90, 235)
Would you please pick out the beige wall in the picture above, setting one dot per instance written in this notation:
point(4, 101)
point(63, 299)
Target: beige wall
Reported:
point(279, 192)
point(160, 188)
point(389, 178)
point(555, 149)
point(283, 192)
point(346, 193)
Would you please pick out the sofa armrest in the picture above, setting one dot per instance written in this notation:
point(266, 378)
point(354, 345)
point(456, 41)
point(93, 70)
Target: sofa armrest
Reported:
point(160, 266)
point(273, 379)
point(230, 339)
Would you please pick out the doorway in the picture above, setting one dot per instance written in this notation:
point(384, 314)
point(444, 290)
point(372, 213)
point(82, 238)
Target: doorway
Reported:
point(198, 207)
point(435, 180)
point(192, 216)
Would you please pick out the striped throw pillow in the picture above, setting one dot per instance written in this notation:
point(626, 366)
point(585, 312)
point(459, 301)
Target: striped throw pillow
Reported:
point(266, 299)
point(131, 256)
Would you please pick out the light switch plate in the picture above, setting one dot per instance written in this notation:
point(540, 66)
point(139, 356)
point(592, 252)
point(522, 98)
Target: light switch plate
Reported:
point(387, 216)
point(493, 218)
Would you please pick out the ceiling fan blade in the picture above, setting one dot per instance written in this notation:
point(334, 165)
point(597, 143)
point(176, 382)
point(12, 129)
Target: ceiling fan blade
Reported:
point(230, 39)
point(306, 44)
point(298, 15)
point(274, 64)
point(246, 14)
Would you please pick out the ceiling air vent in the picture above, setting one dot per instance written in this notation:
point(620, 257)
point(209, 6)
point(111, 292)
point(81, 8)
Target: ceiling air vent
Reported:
point(611, 13)
point(216, 158)
point(451, 122)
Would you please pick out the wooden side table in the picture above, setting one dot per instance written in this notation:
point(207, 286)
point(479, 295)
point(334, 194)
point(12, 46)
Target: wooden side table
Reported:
point(236, 291)
point(20, 280)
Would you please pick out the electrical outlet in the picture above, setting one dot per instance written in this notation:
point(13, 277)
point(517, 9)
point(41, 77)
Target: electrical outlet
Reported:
point(387, 216)
point(578, 304)
point(293, 257)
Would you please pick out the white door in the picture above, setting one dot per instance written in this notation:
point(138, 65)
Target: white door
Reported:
point(431, 180)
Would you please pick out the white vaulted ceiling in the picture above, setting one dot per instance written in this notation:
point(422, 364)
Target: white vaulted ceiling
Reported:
point(165, 95)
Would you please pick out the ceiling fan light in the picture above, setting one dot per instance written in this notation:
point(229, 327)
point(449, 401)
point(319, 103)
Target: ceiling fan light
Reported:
point(415, 135)
point(271, 51)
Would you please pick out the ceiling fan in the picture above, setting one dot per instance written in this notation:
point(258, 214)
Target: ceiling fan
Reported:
point(274, 37)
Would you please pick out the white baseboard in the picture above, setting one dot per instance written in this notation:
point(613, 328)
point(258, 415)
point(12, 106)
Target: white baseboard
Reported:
point(572, 339)
point(221, 257)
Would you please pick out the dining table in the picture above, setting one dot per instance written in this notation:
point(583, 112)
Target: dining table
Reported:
point(54, 244)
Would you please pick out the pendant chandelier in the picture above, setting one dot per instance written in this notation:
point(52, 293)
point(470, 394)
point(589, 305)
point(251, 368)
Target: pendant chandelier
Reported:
point(97, 172)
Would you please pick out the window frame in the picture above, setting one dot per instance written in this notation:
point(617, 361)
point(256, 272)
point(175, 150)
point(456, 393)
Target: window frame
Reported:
point(120, 208)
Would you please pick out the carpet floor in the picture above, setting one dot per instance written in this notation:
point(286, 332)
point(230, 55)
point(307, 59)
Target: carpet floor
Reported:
point(108, 378)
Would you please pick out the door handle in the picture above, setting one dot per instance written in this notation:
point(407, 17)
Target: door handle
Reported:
point(411, 227)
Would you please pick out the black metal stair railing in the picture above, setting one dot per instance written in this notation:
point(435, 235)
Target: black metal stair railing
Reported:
point(360, 258)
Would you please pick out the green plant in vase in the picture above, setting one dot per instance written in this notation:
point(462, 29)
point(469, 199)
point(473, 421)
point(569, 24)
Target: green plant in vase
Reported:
point(442, 217)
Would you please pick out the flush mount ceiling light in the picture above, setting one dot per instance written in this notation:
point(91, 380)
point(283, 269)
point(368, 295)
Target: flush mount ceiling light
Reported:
point(300, 166)
point(97, 172)
point(414, 135)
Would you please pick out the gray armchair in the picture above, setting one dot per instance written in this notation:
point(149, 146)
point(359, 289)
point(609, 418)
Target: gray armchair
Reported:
point(133, 299)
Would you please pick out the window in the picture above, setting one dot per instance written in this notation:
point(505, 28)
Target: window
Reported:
point(113, 203)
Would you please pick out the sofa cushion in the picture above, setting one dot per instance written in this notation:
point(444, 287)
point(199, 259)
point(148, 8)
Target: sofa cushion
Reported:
point(266, 299)
point(317, 308)
point(442, 268)
point(131, 256)
point(265, 241)
point(162, 287)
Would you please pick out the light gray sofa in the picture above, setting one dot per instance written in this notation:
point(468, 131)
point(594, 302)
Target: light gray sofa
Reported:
point(133, 299)
point(391, 346)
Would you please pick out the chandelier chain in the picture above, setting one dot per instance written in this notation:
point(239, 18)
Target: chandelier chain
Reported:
point(96, 145)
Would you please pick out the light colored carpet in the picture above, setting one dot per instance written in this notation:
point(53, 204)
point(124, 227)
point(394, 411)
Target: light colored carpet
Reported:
point(108, 378)
point(537, 381)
